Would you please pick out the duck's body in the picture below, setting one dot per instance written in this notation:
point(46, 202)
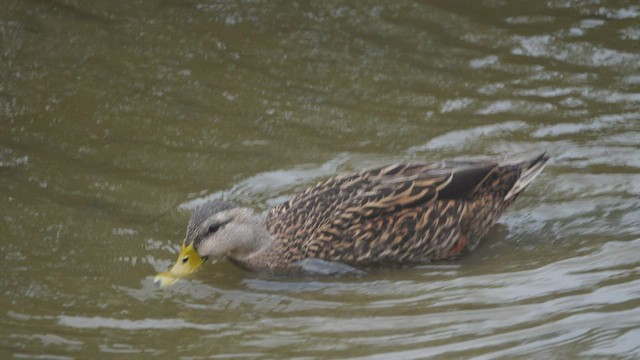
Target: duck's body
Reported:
point(401, 213)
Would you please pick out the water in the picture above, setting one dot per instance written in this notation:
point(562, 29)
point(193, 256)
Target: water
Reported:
point(118, 118)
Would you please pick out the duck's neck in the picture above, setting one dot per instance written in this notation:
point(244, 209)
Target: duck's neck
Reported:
point(254, 243)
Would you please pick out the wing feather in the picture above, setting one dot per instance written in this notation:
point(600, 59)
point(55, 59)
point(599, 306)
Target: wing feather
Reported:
point(396, 213)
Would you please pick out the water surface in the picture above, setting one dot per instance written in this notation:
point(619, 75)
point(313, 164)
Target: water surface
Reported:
point(118, 118)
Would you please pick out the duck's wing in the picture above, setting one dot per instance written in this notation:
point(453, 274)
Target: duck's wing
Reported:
point(323, 212)
point(309, 209)
point(399, 213)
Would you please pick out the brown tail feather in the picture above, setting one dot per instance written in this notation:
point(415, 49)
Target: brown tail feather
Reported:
point(530, 169)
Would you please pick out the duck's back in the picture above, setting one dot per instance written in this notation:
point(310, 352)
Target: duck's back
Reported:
point(400, 213)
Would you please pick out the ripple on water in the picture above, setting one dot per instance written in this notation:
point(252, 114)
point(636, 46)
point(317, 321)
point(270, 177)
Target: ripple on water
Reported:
point(513, 313)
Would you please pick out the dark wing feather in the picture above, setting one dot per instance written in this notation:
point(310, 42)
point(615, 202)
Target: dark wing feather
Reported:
point(402, 219)
point(359, 205)
point(309, 209)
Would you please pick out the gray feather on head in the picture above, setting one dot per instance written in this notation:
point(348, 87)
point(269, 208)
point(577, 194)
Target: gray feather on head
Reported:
point(200, 217)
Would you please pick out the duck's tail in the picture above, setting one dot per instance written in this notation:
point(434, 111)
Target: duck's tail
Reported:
point(529, 170)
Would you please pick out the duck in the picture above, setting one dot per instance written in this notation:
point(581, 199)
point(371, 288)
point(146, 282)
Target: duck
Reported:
point(402, 213)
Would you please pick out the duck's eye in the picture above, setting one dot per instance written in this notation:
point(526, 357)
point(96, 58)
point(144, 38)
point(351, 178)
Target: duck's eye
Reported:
point(185, 259)
point(213, 228)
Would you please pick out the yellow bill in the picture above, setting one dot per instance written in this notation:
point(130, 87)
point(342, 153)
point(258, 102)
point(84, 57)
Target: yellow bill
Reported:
point(188, 262)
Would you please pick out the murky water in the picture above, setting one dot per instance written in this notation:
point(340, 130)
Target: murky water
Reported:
point(117, 118)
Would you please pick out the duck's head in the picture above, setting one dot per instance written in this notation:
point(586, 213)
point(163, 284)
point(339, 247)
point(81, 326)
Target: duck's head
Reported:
point(218, 228)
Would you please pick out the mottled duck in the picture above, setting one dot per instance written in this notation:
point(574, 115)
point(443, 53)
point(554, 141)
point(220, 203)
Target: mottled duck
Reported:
point(393, 214)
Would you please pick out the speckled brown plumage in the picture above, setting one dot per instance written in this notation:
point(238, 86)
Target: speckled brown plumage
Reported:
point(401, 213)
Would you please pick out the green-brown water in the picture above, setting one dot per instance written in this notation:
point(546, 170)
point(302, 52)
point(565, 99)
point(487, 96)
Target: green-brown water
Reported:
point(117, 118)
